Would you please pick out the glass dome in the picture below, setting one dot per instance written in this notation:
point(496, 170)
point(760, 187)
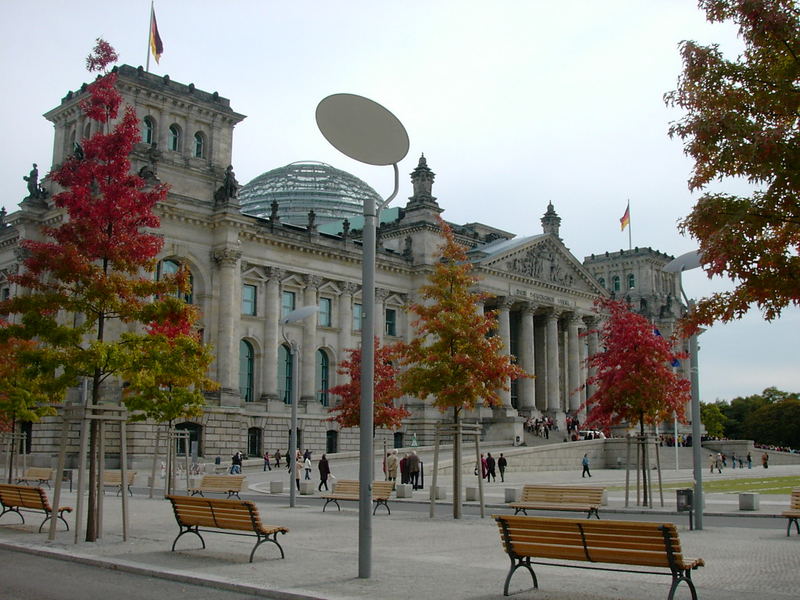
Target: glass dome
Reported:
point(300, 187)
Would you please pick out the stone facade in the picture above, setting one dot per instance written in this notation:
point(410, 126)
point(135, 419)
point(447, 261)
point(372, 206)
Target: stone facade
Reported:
point(247, 271)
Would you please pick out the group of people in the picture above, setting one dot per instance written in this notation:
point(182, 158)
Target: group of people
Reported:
point(541, 426)
point(719, 461)
point(410, 468)
point(489, 467)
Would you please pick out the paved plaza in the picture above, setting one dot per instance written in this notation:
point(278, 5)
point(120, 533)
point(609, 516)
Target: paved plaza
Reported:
point(747, 554)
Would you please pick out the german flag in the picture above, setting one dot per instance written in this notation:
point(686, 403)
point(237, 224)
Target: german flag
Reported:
point(156, 47)
point(626, 218)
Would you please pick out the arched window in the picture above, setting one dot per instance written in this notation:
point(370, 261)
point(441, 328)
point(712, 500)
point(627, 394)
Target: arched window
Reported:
point(631, 281)
point(148, 130)
point(170, 267)
point(285, 374)
point(199, 145)
point(174, 138)
point(195, 432)
point(601, 281)
point(322, 379)
point(615, 283)
point(246, 360)
point(254, 447)
point(331, 441)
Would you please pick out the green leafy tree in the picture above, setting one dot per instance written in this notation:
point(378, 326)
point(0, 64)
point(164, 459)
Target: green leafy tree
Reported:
point(634, 380)
point(94, 269)
point(454, 357)
point(739, 409)
point(741, 121)
point(775, 423)
point(713, 419)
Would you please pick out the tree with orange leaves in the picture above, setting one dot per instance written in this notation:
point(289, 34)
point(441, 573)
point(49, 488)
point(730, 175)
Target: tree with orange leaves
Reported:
point(634, 380)
point(454, 358)
point(386, 414)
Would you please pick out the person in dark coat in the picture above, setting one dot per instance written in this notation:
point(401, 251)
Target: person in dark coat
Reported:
point(404, 469)
point(413, 469)
point(502, 463)
point(324, 472)
point(277, 459)
point(491, 474)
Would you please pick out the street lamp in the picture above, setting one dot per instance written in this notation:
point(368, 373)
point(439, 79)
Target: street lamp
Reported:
point(367, 132)
point(294, 317)
point(686, 262)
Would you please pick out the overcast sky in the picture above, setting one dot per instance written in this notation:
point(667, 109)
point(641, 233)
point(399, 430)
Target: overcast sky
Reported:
point(514, 103)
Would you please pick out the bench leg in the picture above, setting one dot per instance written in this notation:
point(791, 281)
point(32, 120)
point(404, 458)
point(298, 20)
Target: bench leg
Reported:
point(267, 538)
point(12, 509)
point(60, 516)
point(593, 511)
point(233, 493)
point(189, 530)
point(520, 561)
point(522, 510)
point(379, 503)
point(196, 492)
point(329, 500)
point(677, 577)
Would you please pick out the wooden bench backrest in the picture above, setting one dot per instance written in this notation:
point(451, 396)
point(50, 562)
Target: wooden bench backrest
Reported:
point(347, 487)
point(193, 511)
point(222, 482)
point(38, 473)
point(562, 494)
point(620, 542)
point(114, 477)
point(380, 489)
point(795, 501)
point(24, 496)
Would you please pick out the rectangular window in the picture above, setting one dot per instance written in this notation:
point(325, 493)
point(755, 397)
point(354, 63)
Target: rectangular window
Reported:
point(287, 303)
point(324, 312)
point(248, 299)
point(356, 317)
point(391, 322)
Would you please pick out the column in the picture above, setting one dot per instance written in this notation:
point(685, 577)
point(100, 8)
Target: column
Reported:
point(227, 259)
point(540, 363)
point(593, 338)
point(553, 375)
point(527, 352)
point(504, 325)
point(308, 349)
point(573, 364)
point(345, 339)
point(272, 333)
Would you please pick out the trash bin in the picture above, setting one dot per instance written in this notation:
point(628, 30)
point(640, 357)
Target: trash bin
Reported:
point(218, 460)
point(685, 499)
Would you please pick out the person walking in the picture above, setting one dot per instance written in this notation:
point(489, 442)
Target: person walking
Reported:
point(277, 459)
point(765, 460)
point(324, 473)
point(719, 462)
point(266, 461)
point(749, 461)
point(298, 471)
point(236, 463)
point(712, 462)
point(502, 463)
point(391, 465)
point(413, 469)
point(490, 471)
point(585, 464)
point(307, 466)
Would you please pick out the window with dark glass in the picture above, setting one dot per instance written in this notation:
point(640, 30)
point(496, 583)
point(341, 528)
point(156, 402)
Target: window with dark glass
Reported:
point(602, 282)
point(322, 377)
point(248, 299)
point(615, 283)
point(356, 317)
point(170, 267)
point(195, 432)
point(631, 281)
point(246, 359)
point(199, 145)
point(324, 314)
point(391, 321)
point(174, 138)
point(284, 374)
point(149, 131)
point(254, 445)
point(287, 303)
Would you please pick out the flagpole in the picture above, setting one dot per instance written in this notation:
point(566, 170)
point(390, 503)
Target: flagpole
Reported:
point(630, 235)
point(149, 37)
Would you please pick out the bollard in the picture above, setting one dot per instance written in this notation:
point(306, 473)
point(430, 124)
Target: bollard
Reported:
point(472, 493)
point(512, 494)
point(748, 501)
point(275, 487)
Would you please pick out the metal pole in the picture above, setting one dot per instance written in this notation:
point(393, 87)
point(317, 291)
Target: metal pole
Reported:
point(696, 446)
point(293, 423)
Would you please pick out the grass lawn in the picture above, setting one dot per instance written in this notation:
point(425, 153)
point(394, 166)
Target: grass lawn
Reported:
point(762, 485)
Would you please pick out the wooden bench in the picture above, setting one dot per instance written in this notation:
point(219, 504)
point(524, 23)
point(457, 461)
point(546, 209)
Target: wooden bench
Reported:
point(113, 478)
point(38, 475)
point(348, 489)
point(793, 514)
point(220, 484)
point(223, 516)
point(560, 497)
point(15, 498)
point(653, 545)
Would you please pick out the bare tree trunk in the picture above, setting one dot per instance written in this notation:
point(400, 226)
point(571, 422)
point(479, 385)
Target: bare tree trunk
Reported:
point(642, 444)
point(456, 464)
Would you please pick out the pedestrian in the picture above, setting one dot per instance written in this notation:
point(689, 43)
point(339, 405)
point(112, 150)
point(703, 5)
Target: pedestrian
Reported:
point(719, 462)
point(490, 464)
point(307, 466)
point(391, 465)
point(765, 460)
point(324, 473)
point(236, 463)
point(298, 472)
point(502, 463)
point(307, 454)
point(749, 461)
point(266, 461)
point(741, 462)
point(712, 462)
point(585, 464)
point(413, 469)
point(484, 470)
point(404, 469)
point(277, 459)
point(733, 460)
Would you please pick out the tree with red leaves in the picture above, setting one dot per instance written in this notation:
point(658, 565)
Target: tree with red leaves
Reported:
point(347, 413)
point(634, 380)
point(741, 122)
point(91, 300)
point(454, 358)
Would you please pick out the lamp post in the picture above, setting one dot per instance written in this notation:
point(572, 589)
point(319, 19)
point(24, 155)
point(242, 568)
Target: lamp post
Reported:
point(367, 132)
point(294, 317)
point(686, 262)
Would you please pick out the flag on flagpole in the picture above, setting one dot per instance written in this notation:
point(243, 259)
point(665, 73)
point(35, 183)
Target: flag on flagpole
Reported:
point(626, 218)
point(156, 47)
